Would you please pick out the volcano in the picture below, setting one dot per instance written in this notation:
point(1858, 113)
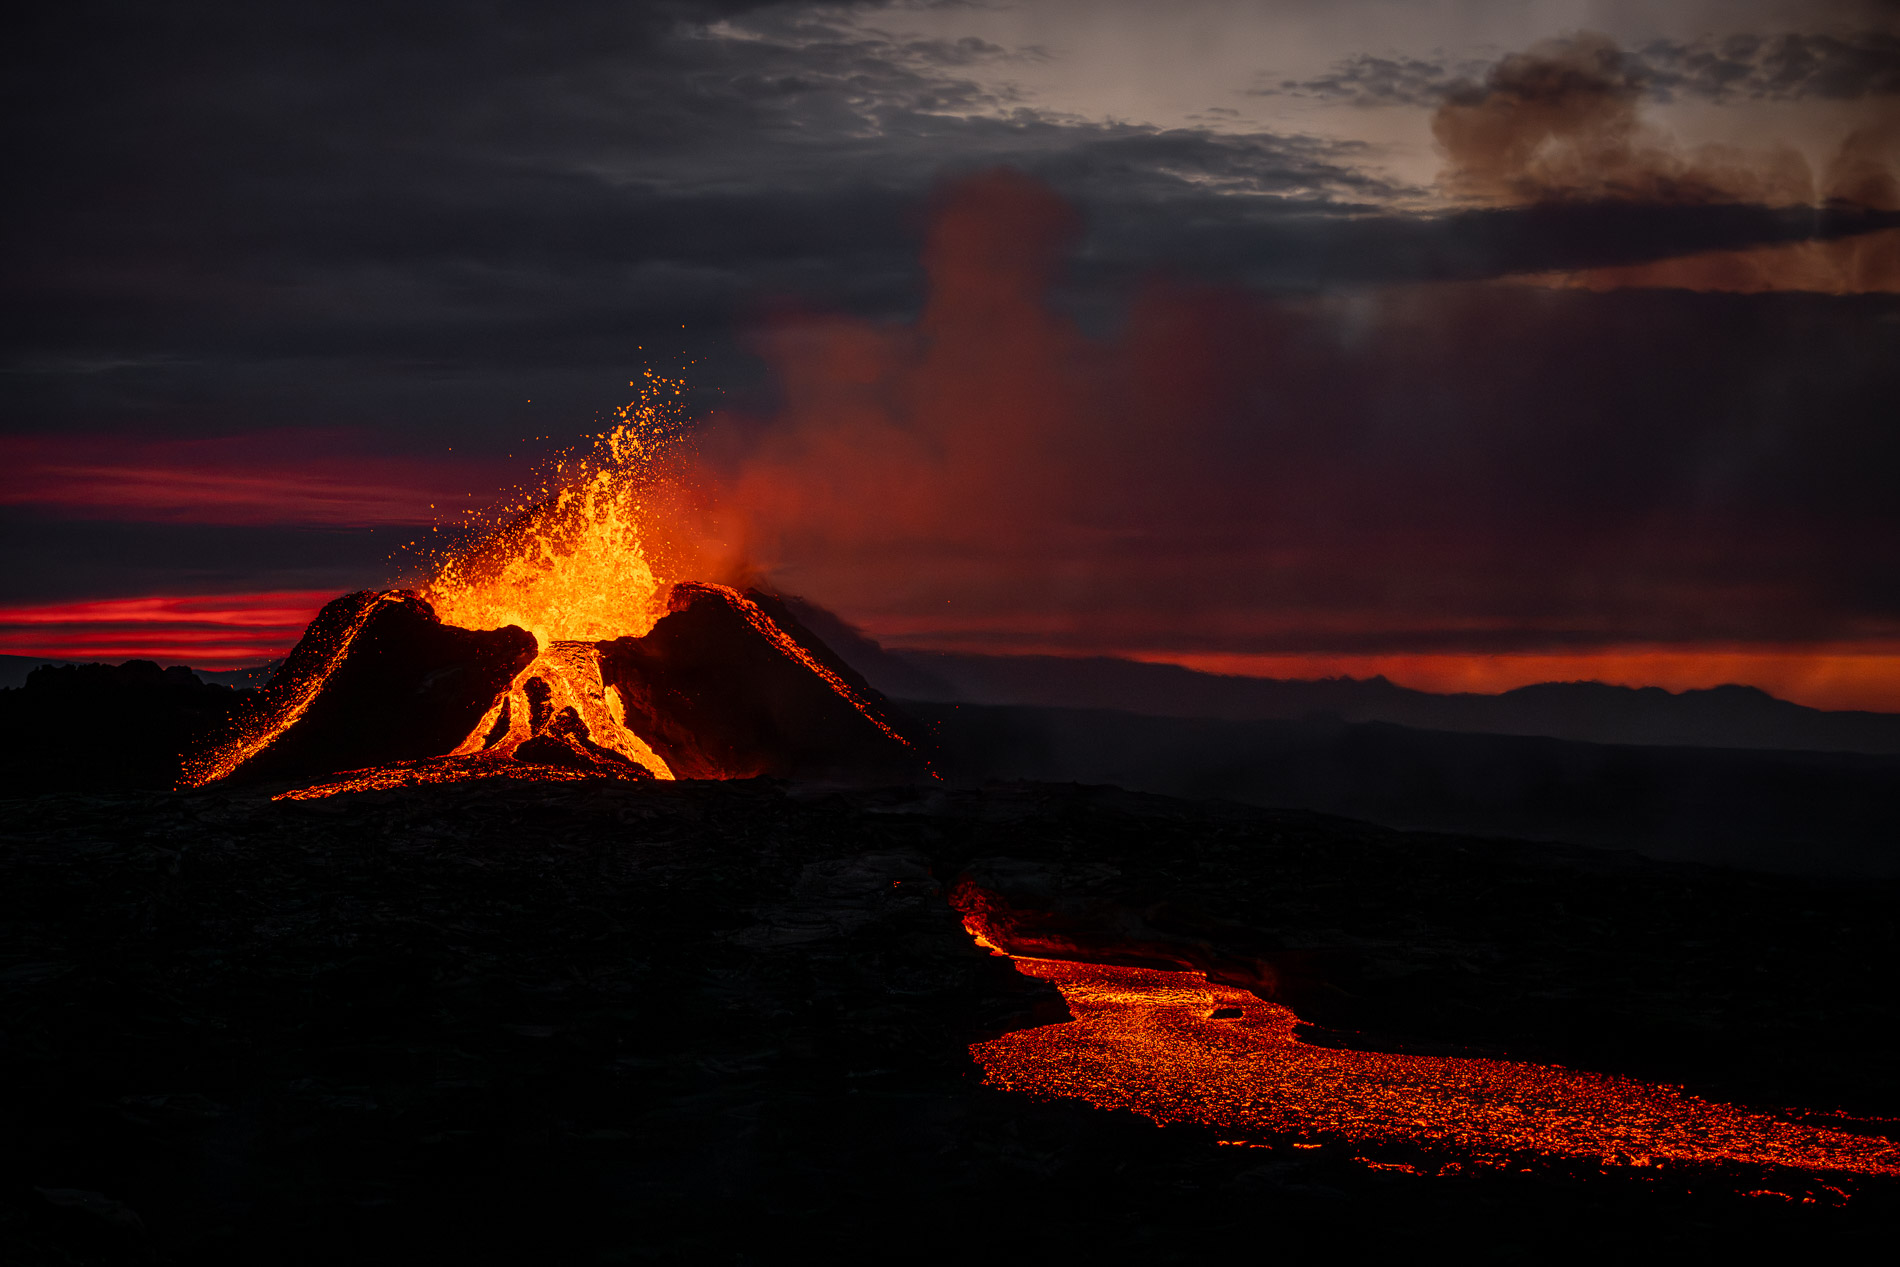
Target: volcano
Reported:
point(380, 693)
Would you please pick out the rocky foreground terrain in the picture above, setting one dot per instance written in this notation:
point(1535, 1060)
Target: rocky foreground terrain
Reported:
point(728, 1022)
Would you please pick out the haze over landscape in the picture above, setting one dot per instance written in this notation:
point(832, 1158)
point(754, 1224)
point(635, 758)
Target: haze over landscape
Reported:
point(1474, 347)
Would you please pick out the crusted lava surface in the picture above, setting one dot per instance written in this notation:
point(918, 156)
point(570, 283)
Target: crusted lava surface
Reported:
point(620, 1022)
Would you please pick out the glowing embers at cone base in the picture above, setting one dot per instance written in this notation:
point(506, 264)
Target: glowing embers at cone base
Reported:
point(1148, 1040)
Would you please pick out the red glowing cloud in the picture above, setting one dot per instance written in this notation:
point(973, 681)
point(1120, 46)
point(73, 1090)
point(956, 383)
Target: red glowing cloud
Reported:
point(1462, 486)
point(212, 632)
point(295, 477)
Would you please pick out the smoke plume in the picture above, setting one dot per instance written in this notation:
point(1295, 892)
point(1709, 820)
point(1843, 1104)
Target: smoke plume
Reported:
point(1564, 122)
point(1472, 469)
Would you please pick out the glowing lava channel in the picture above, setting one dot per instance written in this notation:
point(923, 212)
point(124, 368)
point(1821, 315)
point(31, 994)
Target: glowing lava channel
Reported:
point(1145, 1040)
point(563, 679)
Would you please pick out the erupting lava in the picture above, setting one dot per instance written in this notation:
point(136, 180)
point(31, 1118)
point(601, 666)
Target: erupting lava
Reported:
point(1177, 1048)
point(552, 648)
point(572, 565)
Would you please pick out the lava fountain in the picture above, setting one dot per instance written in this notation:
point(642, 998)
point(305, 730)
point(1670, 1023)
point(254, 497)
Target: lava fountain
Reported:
point(551, 647)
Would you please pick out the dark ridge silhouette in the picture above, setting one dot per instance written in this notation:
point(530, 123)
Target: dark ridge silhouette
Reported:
point(15, 669)
point(1591, 712)
point(1800, 812)
point(73, 727)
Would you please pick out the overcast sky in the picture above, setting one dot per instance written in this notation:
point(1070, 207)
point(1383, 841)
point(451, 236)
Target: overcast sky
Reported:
point(1474, 341)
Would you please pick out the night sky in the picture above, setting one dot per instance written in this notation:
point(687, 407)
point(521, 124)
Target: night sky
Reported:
point(1473, 343)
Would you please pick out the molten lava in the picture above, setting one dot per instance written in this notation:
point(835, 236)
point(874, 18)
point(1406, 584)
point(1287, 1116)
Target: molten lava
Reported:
point(1175, 1048)
point(561, 712)
point(573, 564)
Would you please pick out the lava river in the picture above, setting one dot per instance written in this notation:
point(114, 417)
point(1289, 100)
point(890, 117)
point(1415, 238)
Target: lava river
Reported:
point(1177, 1048)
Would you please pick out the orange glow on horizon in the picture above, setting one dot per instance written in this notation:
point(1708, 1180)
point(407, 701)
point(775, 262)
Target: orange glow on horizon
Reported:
point(1868, 263)
point(1818, 678)
point(330, 476)
point(1145, 1040)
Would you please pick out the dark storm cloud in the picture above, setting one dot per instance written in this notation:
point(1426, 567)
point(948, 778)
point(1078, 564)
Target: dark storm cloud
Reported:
point(534, 185)
point(1782, 67)
point(1365, 80)
point(66, 559)
point(527, 186)
point(1791, 66)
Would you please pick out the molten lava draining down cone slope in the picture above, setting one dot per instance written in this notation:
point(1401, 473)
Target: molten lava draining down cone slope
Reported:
point(381, 693)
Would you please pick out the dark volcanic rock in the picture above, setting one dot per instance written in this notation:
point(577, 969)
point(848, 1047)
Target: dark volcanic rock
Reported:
point(98, 726)
point(727, 1023)
point(377, 678)
point(730, 686)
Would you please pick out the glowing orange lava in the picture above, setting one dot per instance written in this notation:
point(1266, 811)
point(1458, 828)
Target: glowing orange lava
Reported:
point(1147, 1040)
point(439, 770)
point(572, 564)
point(563, 680)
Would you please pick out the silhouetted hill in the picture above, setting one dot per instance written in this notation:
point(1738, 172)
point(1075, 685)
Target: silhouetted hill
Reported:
point(1591, 712)
point(95, 726)
point(15, 669)
point(1822, 813)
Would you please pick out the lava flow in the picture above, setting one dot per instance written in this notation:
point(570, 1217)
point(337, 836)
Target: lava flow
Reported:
point(559, 701)
point(1177, 1048)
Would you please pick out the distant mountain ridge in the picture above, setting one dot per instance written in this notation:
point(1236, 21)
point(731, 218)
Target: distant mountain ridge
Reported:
point(1588, 712)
